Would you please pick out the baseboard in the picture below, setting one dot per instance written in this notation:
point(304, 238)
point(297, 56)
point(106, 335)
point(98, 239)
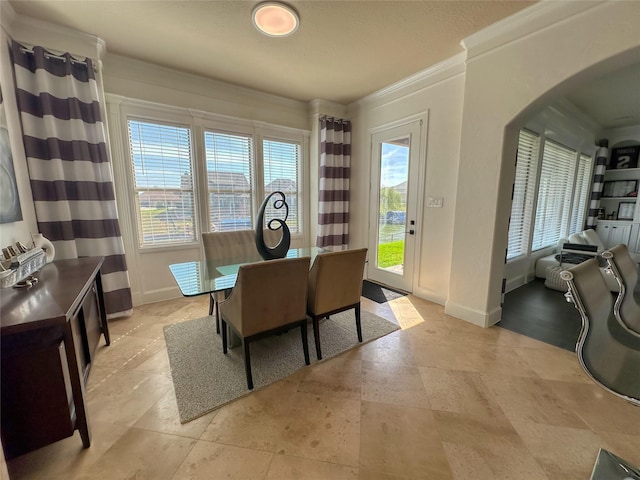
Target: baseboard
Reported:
point(476, 317)
point(160, 295)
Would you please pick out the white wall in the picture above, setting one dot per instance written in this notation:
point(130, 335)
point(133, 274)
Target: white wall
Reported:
point(503, 80)
point(438, 93)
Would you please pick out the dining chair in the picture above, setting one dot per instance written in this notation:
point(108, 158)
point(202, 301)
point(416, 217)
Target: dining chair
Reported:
point(221, 248)
point(607, 352)
point(625, 271)
point(335, 285)
point(268, 297)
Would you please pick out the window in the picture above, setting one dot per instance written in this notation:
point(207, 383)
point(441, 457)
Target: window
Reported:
point(163, 185)
point(229, 161)
point(209, 173)
point(555, 193)
point(281, 167)
point(523, 194)
point(550, 194)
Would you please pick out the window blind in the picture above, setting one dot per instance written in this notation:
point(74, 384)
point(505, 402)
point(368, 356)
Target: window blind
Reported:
point(281, 165)
point(581, 193)
point(555, 192)
point(229, 159)
point(163, 182)
point(523, 194)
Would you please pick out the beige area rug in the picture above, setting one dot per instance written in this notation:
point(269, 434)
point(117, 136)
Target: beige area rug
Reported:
point(205, 379)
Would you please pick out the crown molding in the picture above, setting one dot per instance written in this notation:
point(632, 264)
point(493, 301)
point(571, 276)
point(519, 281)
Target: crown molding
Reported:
point(128, 68)
point(430, 76)
point(56, 38)
point(537, 17)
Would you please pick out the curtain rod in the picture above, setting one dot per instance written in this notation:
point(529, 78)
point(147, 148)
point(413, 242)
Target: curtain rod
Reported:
point(62, 56)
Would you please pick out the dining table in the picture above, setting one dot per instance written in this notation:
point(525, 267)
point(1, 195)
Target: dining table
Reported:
point(202, 277)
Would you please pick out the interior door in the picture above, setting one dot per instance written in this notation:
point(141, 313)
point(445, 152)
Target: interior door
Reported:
point(393, 224)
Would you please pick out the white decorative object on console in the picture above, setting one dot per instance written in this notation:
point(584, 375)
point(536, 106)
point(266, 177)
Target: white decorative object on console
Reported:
point(45, 244)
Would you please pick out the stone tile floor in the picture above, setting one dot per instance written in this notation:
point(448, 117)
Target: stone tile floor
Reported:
point(439, 399)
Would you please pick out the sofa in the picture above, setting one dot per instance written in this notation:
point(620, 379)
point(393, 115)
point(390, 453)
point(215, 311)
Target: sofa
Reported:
point(586, 237)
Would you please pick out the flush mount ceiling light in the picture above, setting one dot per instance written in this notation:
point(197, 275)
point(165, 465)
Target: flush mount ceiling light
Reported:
point(275, 19)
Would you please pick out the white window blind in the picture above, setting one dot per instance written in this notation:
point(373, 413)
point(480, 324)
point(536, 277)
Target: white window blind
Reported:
point(281, 166)
point(523, 194)
point(581, 193)
point(163, 182)
point(555, 192)
point(229, 159)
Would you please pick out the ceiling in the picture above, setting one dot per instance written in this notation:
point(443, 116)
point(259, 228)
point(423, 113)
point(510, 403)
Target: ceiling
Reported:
point(343, 50)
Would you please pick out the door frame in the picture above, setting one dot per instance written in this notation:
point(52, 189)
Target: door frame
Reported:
point(423, 119)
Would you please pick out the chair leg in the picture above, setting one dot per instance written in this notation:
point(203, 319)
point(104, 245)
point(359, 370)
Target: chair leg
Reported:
point(358, 324)
point(218, 317)
point(247, 364)
point(305, 342)
point(224, 337)
point(316, 336)
point(212, 303)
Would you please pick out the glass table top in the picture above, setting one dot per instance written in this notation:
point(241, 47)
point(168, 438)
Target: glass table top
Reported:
point(202, 277)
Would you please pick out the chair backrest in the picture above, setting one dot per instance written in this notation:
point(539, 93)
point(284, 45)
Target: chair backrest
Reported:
point(222, 248)
point(625, 270)
point(335, 280)
point(607, 352)
point(271, 293)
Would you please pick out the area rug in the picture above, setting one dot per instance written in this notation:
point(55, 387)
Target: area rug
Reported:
point(378, 293)
point(205, 379)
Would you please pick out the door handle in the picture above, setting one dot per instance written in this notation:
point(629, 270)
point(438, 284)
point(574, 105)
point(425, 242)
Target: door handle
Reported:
point(410, 232)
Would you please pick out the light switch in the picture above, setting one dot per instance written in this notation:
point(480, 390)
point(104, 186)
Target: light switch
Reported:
point(434, 202)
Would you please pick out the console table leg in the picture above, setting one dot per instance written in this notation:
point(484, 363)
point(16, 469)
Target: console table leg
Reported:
point(77, 385)
point(104, 325)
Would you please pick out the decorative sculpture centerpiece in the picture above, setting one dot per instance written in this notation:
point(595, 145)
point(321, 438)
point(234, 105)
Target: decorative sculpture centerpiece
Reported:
point(281, 249)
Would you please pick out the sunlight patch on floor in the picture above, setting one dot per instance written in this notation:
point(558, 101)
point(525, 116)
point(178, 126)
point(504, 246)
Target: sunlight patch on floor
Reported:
point(406, 314)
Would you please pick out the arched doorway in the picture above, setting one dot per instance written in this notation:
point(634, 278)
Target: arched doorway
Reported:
point(503, 86)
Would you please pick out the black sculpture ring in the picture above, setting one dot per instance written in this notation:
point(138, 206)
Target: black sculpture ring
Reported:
point(281, 249)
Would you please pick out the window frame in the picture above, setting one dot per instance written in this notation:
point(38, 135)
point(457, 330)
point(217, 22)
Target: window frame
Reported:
point(198, 122)
point(167, 120)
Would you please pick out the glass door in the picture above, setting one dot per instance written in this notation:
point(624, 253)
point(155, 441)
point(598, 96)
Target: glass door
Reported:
point(393, 225)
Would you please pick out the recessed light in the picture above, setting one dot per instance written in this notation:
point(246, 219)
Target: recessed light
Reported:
point(275, 19)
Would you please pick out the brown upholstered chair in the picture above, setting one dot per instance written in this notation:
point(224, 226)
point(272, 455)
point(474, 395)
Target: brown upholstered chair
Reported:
point(335, 285)
point(625, 271)
point(268, 297)
point(224, 248)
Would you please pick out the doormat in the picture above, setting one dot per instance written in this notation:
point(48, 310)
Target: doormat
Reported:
point(378, 293)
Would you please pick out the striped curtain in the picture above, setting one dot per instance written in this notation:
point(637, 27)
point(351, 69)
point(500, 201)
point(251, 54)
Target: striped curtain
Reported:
point(69, 167)
point(335, 170)
point(598, 183)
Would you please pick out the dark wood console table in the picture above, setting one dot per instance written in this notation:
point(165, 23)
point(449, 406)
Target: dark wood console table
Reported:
point(49, 334)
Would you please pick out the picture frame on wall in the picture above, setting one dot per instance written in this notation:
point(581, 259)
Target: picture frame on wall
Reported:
point(624, 157)
point(620, 188)
point(625, 210)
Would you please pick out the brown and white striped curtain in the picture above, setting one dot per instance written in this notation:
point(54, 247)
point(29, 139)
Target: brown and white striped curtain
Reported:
point(69, 168)
point(335, 170)
point(598, 183)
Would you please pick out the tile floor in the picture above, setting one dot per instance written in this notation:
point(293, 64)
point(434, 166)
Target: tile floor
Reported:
point(439, 399)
